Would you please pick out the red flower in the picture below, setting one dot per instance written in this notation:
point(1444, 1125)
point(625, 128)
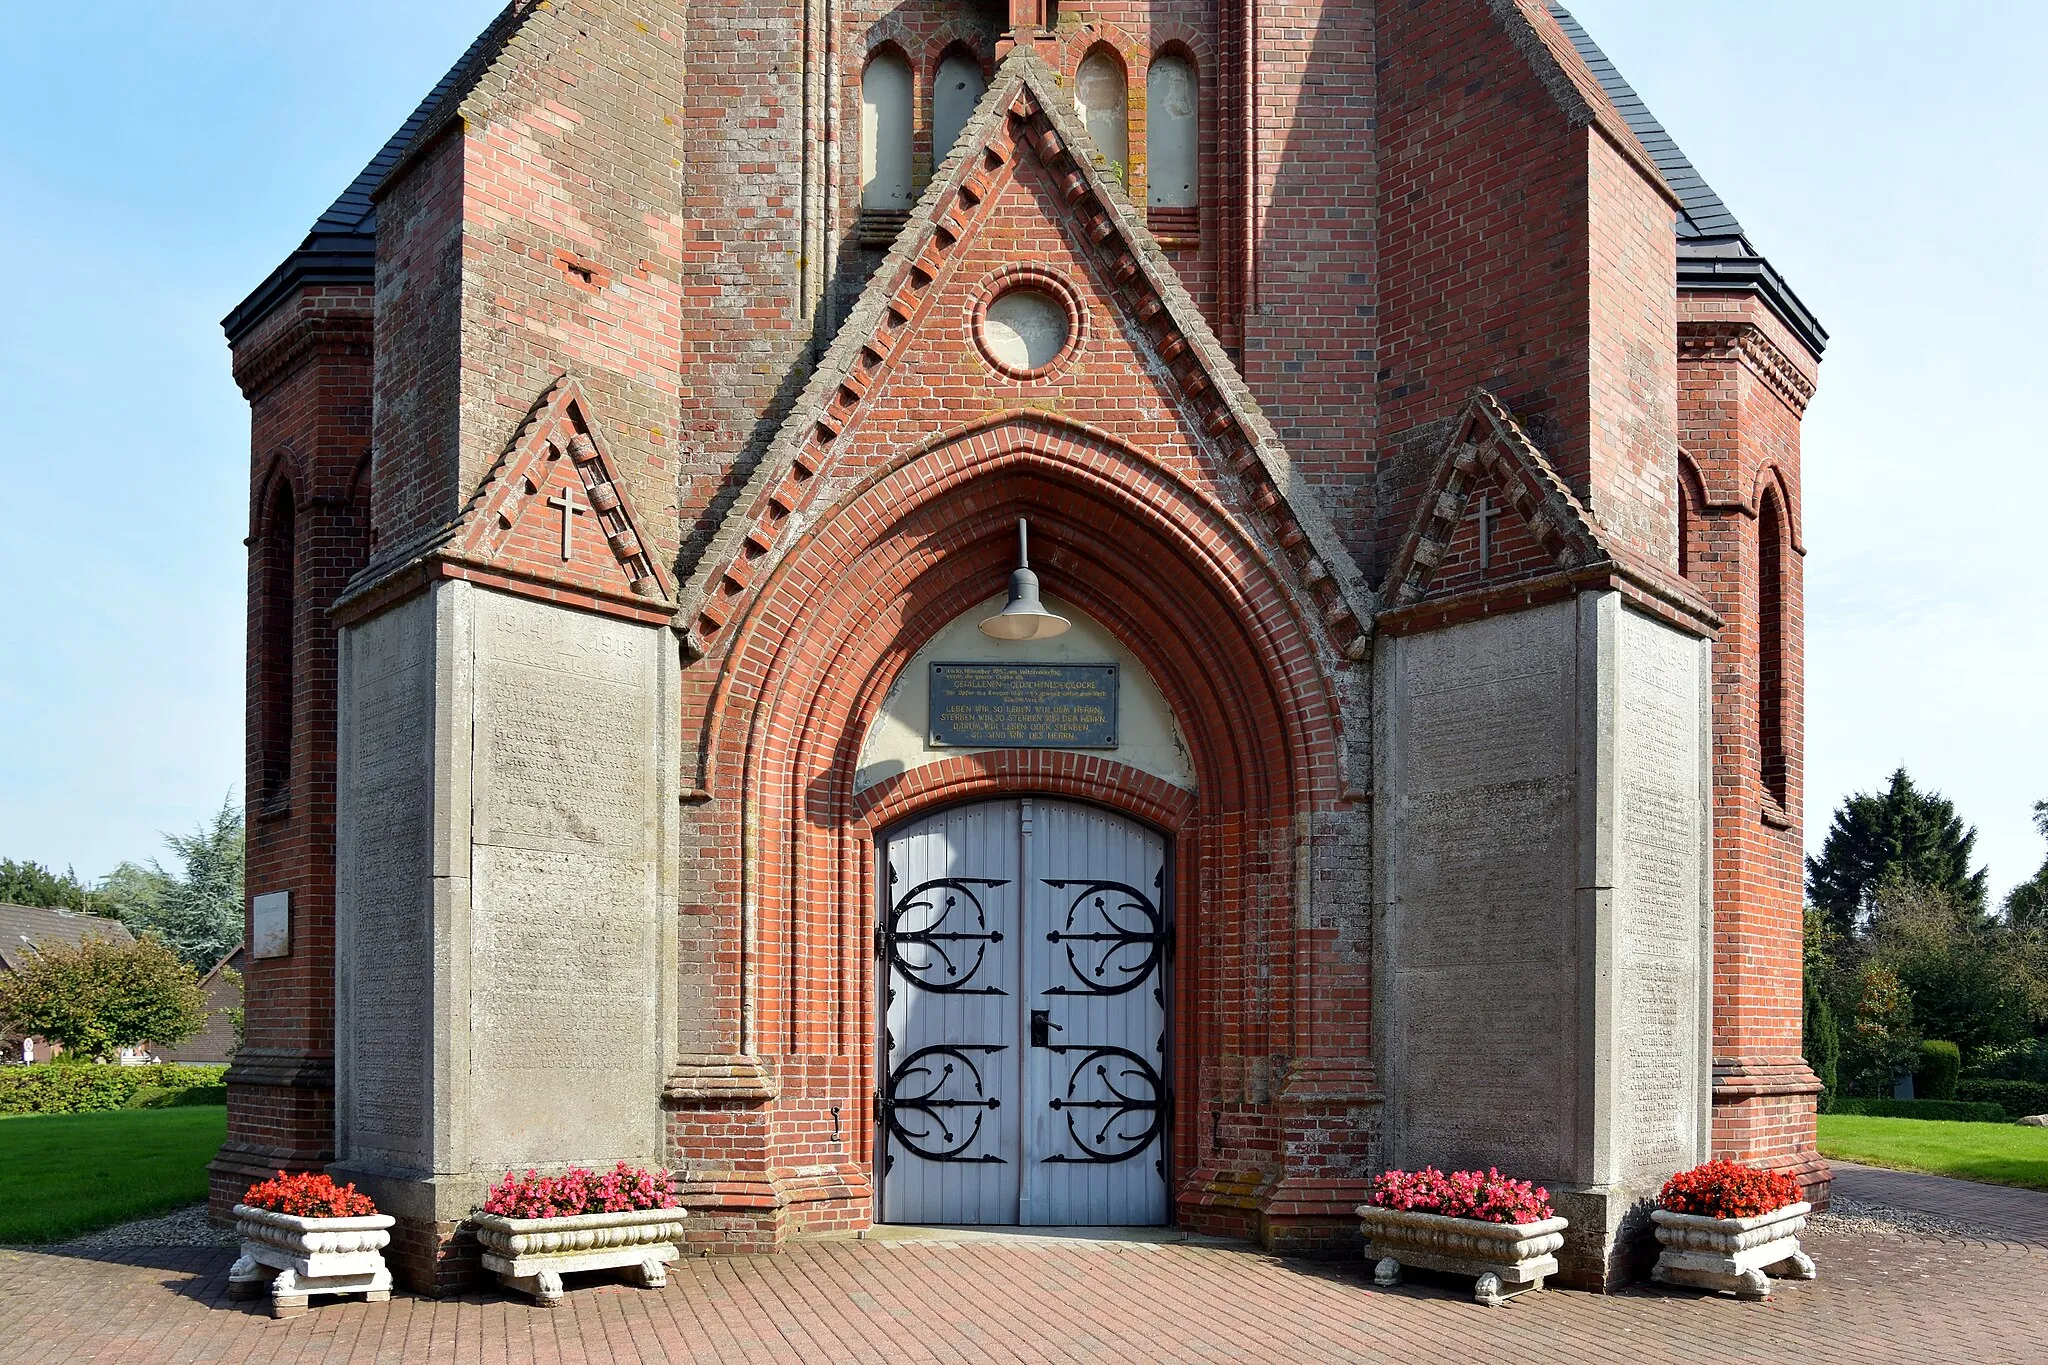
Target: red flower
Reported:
point(619, 1190)
point(1724, 1189)
point(1485, 1195)
point(309, 1194)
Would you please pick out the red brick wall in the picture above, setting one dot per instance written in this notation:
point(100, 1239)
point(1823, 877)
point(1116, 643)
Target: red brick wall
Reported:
point(1483, 249)
point(306, 372)
point(1744, 382)
point(911, 523)
point(419, 347)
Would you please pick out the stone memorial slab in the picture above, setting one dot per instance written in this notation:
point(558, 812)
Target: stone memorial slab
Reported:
point(270, 924)
point(1023, 706)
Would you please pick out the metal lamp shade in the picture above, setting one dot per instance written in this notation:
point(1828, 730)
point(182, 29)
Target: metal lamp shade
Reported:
point(1024, 617)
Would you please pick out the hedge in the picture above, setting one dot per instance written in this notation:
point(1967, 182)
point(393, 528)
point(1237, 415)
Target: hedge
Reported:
point(2015, 1097)
point(1953, 1111)
point(77, 1087)
point(1935, 1077)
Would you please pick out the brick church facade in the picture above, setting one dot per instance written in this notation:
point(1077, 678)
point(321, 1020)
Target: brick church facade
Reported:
point(1388, 400)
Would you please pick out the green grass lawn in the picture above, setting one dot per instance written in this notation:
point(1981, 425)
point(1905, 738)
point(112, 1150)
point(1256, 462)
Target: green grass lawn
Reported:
point(1996, 1153)
point(66, 1174)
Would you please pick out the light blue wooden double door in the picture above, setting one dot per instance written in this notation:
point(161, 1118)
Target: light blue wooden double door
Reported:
point(1024, 951)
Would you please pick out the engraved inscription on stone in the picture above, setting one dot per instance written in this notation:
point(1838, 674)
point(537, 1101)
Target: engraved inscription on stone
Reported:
point(1658, 873)
point(1482, 922)
point(563, 930)
point(1023, 706)
point(390, 772)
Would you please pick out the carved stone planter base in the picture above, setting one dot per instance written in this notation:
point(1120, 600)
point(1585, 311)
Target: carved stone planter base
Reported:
point(1735, 1255)
point(531, 1255)
point(295, 1258)
point(1507, 1260)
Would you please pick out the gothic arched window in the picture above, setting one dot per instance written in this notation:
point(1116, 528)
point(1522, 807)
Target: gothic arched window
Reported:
point(956, 89)
point(885, 102)
point(276, 614)
point(1770, 627)
point(1103, 98)
point(1172, 142)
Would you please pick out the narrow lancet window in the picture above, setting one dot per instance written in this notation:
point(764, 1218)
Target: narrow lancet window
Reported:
point(277, 610)
point(1770, 622)
point(1103, 99)
point(885, 101)
point(955, 91)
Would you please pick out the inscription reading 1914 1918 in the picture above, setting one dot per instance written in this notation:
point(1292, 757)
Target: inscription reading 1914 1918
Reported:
point(1024, 706)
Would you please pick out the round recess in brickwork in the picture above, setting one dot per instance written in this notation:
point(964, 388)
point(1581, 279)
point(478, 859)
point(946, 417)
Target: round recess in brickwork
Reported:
point(1027, 322)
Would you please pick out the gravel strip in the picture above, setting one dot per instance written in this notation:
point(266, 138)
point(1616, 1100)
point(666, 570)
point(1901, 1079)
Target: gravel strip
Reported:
point(1853, 1218)
point(185, 1228)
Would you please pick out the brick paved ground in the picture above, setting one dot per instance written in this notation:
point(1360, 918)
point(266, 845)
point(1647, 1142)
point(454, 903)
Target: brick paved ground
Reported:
point(2017, 1215)
point(1891, 1298)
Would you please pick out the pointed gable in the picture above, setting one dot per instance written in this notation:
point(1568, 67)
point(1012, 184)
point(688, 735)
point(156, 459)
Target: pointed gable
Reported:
point(553, 511)
point(1023, 202)
point(1533, 525)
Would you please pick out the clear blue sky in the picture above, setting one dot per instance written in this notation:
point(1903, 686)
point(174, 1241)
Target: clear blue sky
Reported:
point(159, 159)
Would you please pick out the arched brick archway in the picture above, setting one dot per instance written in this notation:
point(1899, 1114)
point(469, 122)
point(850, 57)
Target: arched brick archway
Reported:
point(786, 703)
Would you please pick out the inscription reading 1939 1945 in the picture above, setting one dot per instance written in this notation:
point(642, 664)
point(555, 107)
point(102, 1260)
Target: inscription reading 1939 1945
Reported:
point(1024, 706)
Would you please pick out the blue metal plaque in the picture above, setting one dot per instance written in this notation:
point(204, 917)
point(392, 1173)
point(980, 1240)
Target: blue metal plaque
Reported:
point(1023, 706)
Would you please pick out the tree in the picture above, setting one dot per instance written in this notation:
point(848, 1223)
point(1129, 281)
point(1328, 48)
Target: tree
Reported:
point(2026, 906)
point(1820, 1036)
point(1880, 1038)
point(1956, 966)
point(27, 883)
point(198, 911)
point(99, 997)
point(1901, 828)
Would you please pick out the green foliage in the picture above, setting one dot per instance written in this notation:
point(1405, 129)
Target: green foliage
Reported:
point(1935, 1078)
point(2026, 905)
point(2015, 1097)
point(2001, 1153)
point(2026, 1061)
point(99, 997)
point(1820, 1035)
point(72, 1173)
point(27, 883)
point(50, 1088)
point(1900, 829)
point(1880, 1039)
point(1949, 1111)
point(1960, 969)
point(198, 909)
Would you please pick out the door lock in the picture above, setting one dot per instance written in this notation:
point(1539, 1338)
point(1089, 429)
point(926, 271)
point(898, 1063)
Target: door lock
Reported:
point(1042, 1028)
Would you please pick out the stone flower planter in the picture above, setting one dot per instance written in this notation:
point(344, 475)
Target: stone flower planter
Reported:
point(1507, 1259)
point(1732, 1253)
point(300, 1257)
point(532, 1254)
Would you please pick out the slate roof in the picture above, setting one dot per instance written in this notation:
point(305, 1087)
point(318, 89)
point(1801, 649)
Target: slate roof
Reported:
point(341, 248)
point(23, 926)
point(1713, 251)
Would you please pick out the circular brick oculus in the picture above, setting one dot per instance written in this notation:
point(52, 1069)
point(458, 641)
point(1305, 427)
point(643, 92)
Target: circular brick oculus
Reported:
point(1025, 329)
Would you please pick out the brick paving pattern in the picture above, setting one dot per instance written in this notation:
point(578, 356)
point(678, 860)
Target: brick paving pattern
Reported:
point(2012, 1214)
point(1881, 1299)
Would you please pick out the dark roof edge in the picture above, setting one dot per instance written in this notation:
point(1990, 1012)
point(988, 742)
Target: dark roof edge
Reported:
point(455, 87)
point(1742, 270)
point(1714, 253)
point(341, 248)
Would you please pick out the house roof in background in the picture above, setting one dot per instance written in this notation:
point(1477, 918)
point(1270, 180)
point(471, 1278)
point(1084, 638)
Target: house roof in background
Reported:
point(1714, 253)
point(342, 246)
point(24, 926)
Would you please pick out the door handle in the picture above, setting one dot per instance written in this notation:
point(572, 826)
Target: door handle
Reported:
point(1042, 1028)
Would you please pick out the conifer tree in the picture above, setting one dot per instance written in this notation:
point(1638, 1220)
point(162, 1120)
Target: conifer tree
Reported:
point(1901, 829)
point(2026, 906)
